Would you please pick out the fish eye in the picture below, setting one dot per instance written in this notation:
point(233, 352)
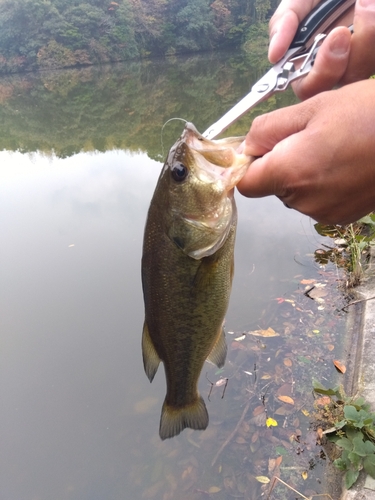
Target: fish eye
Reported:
point(179, 172)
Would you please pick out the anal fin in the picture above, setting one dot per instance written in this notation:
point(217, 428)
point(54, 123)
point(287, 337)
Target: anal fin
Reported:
point(219, 351)
point(151, 359)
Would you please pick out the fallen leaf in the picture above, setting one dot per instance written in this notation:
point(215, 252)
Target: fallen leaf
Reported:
point(240, 440)
point(214, 489)
point(258, 410)
point(305, 412)
point(317, 293)
point(242, 337)
point(281, 411)
point(304, 475)
point(221, 382)
point(271, 422)
point(288, 362)
point(245, 427)
point(323, 401)
point(319, 432)
point(279, 460)
point(286, 399)
point(271, 464)
point(255, 437)
point(259, 420)
point(266, 376)
point(285, 389)
point(341, 241)
point(237, 345)
point(339, 366)
point(262, 479)
point(270, 332)
point(330, 347)
point(307, 282)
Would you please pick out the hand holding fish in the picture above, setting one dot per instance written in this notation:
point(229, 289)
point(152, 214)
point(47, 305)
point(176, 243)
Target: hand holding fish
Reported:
point(318, 156)
point(343, 58)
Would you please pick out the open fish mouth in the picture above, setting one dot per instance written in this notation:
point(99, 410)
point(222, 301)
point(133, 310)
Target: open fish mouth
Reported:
point(217, 160)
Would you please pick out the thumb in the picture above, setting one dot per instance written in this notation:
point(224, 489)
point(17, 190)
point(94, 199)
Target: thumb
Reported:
point(279, 139)
point(362, 54)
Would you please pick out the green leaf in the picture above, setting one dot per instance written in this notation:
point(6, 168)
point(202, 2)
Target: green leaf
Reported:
point(333, 438)
point(351, 432)
point(345, 444)
point(281, 450)
point(369, 465)
point(350, 478)
point(357, 417)
point(341, 424)
point(366, 220)
point(351, 413)
point(320, 389)
point(363, 448)
point(355, 460)
point(340, 464)
point(370, 447)
point(325, 230)
point(359, 403)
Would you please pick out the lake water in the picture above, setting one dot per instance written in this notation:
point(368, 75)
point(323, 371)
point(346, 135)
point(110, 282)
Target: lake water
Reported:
point(79, 420)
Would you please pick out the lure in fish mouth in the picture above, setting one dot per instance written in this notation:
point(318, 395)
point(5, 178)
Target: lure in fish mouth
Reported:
point(187, 270)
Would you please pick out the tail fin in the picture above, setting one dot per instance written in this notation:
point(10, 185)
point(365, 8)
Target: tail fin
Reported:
point(174, 420)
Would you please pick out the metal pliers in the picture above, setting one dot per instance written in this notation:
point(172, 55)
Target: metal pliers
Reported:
point(296, 63)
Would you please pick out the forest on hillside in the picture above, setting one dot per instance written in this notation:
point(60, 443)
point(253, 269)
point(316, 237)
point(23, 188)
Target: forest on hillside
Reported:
point(48, 34)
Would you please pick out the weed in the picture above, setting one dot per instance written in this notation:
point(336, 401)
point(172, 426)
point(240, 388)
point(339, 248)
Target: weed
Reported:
point(352, 243)
point(350, 425)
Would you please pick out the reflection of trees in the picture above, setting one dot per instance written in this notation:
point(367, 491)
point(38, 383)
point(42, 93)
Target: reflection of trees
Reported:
point(122, 106)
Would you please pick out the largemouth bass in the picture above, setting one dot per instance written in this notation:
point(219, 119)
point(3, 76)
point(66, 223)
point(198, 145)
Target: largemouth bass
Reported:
point(187, 270)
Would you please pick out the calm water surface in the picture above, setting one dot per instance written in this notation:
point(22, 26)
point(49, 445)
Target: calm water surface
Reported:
point(79, 419)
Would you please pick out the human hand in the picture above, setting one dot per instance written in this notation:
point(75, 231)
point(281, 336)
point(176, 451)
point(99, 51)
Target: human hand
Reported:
point(343, 58)
point(317, 156)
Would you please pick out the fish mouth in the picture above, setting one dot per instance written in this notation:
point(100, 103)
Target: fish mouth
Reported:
point(217, 160)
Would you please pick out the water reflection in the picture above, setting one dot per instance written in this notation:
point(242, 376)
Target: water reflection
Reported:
point(79, 419)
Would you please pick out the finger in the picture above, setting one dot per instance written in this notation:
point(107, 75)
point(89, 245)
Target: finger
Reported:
point(269, 129)
point(362, 54)
point(330, 64)
point(282, 36)
point(278, 172)
point(283, 26)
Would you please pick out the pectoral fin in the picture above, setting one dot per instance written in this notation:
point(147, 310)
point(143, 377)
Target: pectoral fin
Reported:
point(151, 359)
point(219, 351)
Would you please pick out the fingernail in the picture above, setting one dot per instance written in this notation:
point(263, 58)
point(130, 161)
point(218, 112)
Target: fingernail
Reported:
point(339, 44)
point(241, 147)
point(271, 47)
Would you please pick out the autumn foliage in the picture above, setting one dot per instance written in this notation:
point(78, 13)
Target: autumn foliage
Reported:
point(65, 33)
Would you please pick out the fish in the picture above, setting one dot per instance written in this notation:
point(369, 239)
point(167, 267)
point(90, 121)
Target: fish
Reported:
point(187, 270)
